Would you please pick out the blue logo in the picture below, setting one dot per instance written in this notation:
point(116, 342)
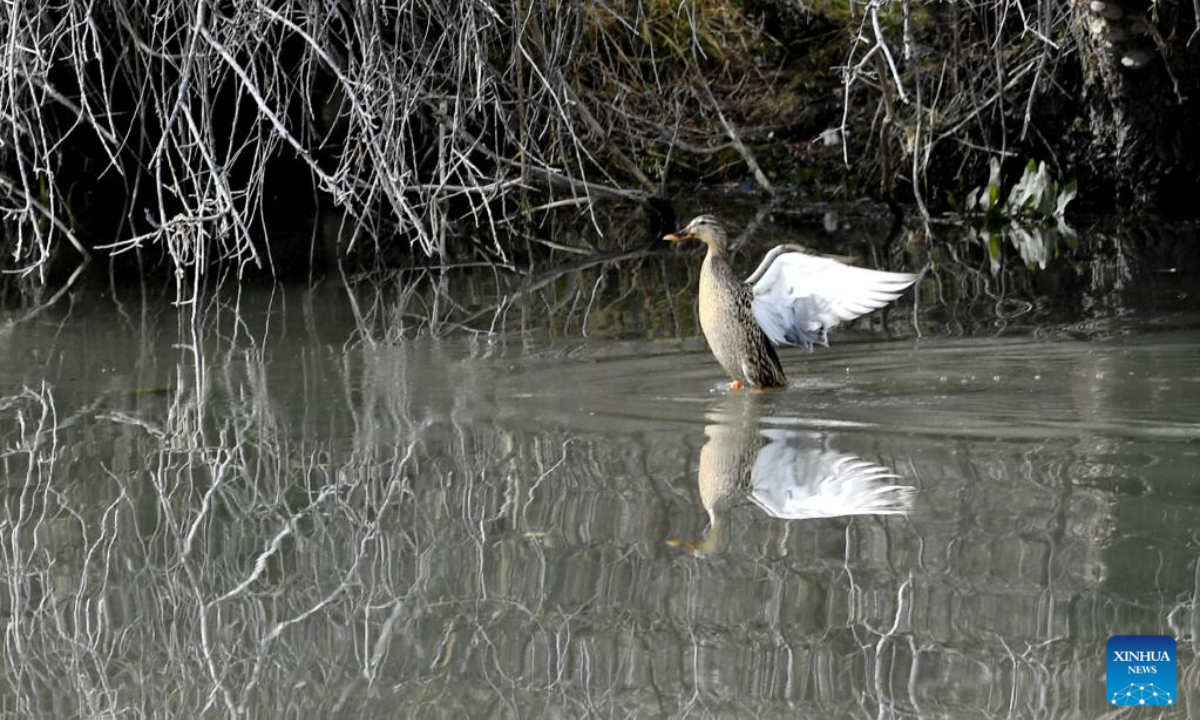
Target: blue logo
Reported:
point(1141, 669)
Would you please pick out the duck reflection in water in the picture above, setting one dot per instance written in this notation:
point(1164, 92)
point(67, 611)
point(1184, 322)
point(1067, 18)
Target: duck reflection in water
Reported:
point(787, 475)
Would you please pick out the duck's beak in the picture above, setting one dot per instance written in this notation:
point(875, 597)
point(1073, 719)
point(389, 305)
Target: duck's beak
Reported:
point(678, 236)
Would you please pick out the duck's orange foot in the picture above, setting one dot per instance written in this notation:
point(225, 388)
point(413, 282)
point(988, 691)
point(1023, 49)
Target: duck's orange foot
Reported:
point(736, 385)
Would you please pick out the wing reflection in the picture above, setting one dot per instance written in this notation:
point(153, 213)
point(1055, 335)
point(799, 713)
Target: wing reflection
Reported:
point(788, 475)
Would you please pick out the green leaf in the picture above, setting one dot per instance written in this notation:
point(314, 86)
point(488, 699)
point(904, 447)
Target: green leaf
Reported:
point(994, 172)
point(1043, 196)
point(1018, 196)
point(1065, 197)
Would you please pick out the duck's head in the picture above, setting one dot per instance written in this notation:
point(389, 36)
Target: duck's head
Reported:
point(705, 228)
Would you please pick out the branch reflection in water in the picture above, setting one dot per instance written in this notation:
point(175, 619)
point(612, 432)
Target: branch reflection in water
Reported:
point(259, 512)
point(789, 475)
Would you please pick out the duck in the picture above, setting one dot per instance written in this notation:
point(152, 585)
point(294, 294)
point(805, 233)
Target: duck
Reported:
point(792, 298)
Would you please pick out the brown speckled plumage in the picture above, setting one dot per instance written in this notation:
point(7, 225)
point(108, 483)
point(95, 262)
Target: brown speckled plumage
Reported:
point(726, 317)
point(733, 334)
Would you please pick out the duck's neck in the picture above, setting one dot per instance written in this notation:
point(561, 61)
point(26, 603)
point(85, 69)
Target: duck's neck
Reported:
point(715, 250)
point(717, 263)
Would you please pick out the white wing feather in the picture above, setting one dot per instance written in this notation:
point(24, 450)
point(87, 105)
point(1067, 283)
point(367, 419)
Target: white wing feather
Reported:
point(799, 296)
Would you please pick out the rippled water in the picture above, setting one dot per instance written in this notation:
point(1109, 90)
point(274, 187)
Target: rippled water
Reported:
point(263, 513)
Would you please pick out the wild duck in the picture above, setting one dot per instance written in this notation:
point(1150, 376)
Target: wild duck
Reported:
point(792, 298)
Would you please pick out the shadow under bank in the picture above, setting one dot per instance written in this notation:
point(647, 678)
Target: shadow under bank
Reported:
point(611, 277)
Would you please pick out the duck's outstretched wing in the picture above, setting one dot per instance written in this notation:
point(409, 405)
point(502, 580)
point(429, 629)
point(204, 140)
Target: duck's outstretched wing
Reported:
point(798, 296)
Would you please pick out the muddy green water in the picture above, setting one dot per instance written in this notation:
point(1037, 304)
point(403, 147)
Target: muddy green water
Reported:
point(257, 511)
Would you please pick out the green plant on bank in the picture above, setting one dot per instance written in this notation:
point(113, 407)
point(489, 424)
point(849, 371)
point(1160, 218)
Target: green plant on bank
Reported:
point(1031, 216)
point(1037, 197)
